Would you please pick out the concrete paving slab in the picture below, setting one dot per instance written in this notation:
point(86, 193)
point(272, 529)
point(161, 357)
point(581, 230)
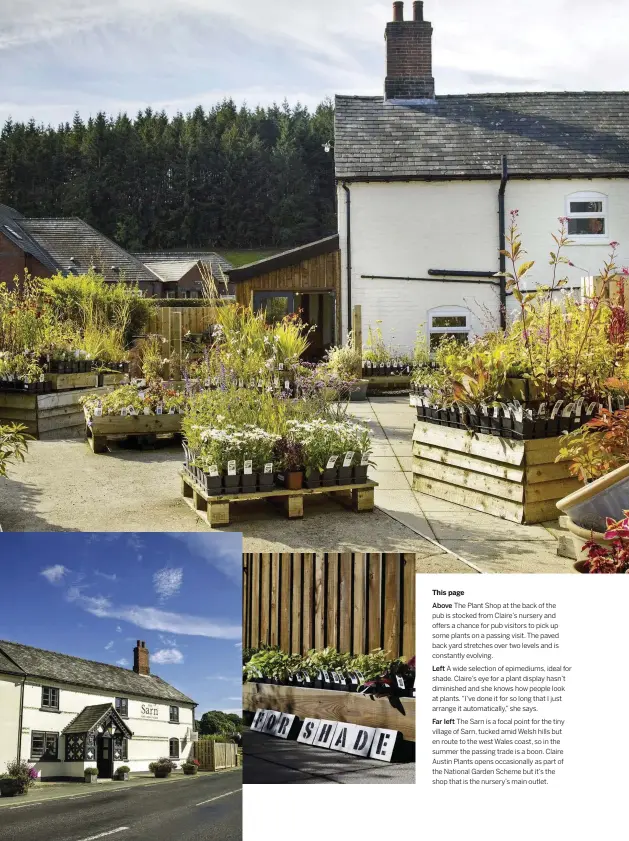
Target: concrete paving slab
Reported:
point(511, 557)
point(391, 480)
point(443, 562)
point(483, 528)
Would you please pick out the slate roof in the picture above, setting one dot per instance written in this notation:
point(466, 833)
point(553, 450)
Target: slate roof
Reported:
point(90, 717)
point(11, 226)
point(49, 665)
point(167, 264)
point(62, 239)
point(542, 134)
point(284, 259)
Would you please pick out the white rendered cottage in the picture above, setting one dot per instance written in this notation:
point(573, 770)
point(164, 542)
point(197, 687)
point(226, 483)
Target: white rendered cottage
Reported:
point(65, 714)
point(425, 184)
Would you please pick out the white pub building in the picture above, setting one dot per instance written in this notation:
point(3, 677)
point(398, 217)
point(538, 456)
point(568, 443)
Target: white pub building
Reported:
point(65, 714)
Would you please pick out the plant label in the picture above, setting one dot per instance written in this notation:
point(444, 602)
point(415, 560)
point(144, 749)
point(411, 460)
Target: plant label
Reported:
point(159, 410)
point(171, 411)
point(360, 740)
point(326, 677)
point(368, 364)
point(268, 467)
point(248, 469)
point(286, 385)
point(241, 384)
point(383, 744)
point(42, 378)
point(123, 412)
point(348, 459)
point(579, 407)
point(335, 677)
point(98, 412)
point(281, 366)
point(284, 726)
point(258, 720)
point(542, 411)
point(331, 462)
point(556, 409)
point(364, 459)
point(400, 682)
point(308, 731)
point(342, 736)
point(568, 410)
point(140, 395)
point(213, 471)
point(325, 733)
point(147, 411)
point(299, 677)
point(609, 403)
point(276, 382)
point(231, 468)
point(354, 678)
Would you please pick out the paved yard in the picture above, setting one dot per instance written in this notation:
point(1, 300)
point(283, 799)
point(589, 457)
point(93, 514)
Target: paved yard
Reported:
point(63, 486)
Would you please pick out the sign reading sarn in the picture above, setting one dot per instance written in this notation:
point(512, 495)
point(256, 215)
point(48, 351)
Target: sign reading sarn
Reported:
point(355, 739)
point(149, 711)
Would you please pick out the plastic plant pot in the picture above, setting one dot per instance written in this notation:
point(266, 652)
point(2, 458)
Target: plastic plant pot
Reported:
point(496, 425)
point(344, 475)
point(313, 479)
point(506, 426)
point(539, 427)
point(328, 477)
point(359, 392)
point(212, 485)
point(248, 482)
point(360, 474)
point(590, 506)
point(231, 483)
point(443, 417)
point(266, 481)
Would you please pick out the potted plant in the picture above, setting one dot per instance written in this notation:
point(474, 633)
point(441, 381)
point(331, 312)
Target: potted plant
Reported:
point(163, 767)
point(122, 773)
point(19, 778)
point(289, 455)
point(191, 767)
point(345, 361)
point(90, 775)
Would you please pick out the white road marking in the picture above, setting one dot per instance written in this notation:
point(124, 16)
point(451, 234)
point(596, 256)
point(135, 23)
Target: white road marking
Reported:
point(23, 806)
point(105, 834)
point(203, 802)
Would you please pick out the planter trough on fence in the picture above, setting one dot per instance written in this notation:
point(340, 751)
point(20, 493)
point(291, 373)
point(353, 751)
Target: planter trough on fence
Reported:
point(511, 479)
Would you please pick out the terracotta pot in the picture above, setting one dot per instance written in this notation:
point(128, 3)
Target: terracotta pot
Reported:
point(293, 479)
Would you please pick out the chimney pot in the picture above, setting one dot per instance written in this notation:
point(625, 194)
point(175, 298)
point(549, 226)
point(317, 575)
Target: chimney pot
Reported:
point(141, 659)
point(398, 11)
point(418, 10)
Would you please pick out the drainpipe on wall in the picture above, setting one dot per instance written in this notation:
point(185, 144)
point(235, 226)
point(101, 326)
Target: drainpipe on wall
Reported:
point(19, 726)
point(502, 241)
point(348, 227)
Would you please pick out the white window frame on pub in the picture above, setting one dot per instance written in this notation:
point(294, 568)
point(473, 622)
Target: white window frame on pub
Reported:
point(584, 206)
point(46, 739)
point(461, 331)
point(53, 698)
point(173, 748)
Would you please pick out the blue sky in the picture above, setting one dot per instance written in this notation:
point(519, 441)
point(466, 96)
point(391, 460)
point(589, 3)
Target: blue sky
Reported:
point(95, 595)
point(58, 56)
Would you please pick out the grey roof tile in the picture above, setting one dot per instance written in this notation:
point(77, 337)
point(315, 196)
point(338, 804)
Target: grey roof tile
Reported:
point(51, 666)
point(542, 134)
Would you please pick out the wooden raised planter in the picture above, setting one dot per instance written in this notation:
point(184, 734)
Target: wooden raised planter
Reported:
point(122, 426)
point(395, 714)
point(47, 416)
point(515, 480)
point(63, 382)
point(389, 383)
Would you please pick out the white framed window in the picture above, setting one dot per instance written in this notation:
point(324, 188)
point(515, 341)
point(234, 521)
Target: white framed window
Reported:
point(448, 321)
point(587, 217)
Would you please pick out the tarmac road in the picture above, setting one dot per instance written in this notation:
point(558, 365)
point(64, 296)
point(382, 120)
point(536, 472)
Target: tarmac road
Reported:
point(203, 808)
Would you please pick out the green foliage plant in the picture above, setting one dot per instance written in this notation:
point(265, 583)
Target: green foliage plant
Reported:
point(13, 445)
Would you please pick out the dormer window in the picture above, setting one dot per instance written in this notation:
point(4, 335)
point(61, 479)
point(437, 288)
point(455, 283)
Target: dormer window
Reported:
point(587, 217)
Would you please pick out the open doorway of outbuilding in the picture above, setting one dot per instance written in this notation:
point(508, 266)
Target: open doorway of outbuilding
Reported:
point(317, 309)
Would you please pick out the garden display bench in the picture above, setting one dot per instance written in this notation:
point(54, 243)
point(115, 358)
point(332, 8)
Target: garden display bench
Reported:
point(64, 382)
point(515, 480)
point(47, 416)
point(390, 714)
point(394, 382)
point(215, 510)
point(99, 429)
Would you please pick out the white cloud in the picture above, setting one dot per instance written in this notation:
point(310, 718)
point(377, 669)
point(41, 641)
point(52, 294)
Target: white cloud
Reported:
point(109, 576)
point(168, 655)
point(154, 619)
point(226, 558)
point(167, 582)
point(55, 574)
point(224, 678)
point(122, 662)
point(118, 629)
point(238, 645)
point(109, 645)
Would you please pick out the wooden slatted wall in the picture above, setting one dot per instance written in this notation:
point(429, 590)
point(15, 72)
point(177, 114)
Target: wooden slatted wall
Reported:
point(352, 601)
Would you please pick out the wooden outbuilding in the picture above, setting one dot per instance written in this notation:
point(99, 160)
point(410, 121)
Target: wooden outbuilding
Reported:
point(304, 280)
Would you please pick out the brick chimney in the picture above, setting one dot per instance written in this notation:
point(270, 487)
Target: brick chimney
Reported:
point(409, 55)
point(141, 659)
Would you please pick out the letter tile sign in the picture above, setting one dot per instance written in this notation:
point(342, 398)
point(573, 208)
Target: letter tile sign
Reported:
point(372, 742)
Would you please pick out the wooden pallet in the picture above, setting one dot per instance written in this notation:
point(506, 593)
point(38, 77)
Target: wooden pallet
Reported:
point(336, 706)
point(215, 509)
point(53, 416)
point(119, 426)
point(515, 480)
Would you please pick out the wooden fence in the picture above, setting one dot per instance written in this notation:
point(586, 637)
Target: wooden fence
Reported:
point(354, 602)
point(215, 756)
point(174, 322)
